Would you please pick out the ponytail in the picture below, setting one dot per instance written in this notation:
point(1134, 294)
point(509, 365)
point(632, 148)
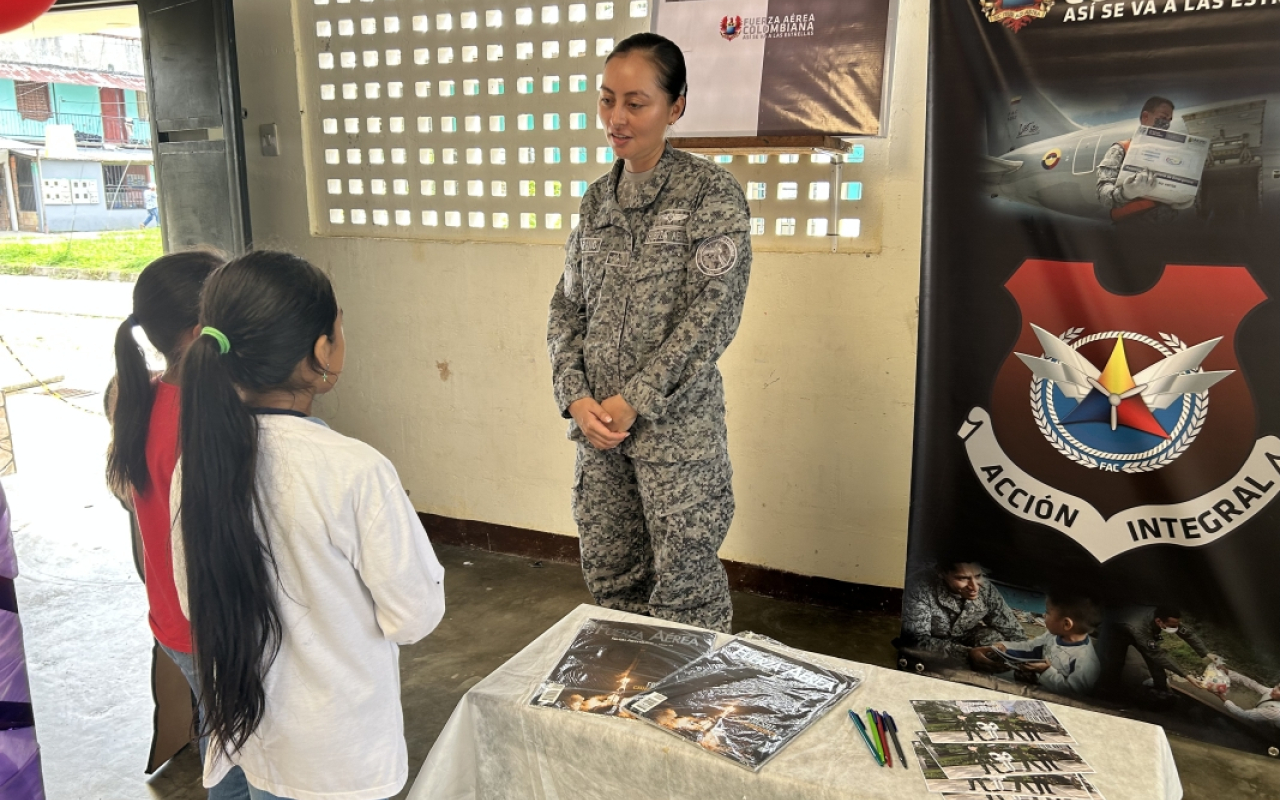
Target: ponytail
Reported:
point(166, 304)
point(127, 455)
point(238, 634)
point(270, 308)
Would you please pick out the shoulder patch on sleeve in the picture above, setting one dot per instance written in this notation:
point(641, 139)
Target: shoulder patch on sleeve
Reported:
point(716, 256)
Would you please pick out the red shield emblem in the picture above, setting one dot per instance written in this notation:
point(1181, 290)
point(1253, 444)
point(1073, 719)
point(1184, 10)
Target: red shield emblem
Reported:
point(731, 27)
point(1125, 401)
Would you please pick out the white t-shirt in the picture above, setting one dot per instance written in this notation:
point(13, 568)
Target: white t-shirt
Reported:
point(358, 578)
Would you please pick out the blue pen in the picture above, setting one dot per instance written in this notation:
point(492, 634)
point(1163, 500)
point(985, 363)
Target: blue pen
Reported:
point(862, 729)
point(893, 730)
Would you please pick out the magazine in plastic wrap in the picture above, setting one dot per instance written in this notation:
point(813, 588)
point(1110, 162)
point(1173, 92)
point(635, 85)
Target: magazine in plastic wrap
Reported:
point(743, 701)
point(610, 661)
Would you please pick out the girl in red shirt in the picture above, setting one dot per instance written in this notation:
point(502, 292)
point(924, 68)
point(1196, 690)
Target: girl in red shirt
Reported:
point(144, 441)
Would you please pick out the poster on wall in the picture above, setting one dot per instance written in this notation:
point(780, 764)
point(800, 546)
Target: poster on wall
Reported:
point(780, 67)
point(1097, 449)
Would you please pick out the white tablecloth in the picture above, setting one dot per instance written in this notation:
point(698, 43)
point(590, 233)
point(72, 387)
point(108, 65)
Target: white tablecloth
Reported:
point(496, 745)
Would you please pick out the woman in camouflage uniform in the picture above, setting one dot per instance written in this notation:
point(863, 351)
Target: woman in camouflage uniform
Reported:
point(654, 280)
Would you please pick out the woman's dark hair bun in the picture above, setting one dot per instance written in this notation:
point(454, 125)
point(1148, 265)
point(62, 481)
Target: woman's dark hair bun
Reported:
point(666, 57)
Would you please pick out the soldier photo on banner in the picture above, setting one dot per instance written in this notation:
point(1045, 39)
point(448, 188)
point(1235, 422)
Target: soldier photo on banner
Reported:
point(1097, 447)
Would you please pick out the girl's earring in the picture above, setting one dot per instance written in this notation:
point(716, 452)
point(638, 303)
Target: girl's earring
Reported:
point(324, 374)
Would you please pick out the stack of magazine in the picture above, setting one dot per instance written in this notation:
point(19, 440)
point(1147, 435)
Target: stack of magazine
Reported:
point(1004, 749)
point(743, 701)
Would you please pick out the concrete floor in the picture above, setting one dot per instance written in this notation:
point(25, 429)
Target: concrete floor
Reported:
point(84, 611)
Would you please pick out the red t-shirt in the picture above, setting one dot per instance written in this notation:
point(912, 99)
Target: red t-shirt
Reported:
point(171, 629)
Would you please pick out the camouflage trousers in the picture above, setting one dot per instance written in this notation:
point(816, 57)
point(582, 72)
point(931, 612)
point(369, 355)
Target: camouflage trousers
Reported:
point(650, 535)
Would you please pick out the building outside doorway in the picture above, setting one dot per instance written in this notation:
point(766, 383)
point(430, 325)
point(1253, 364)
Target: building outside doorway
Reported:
point(75, 121)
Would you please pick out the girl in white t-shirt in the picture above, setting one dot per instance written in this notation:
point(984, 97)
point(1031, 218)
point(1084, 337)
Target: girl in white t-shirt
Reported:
point(297, 555)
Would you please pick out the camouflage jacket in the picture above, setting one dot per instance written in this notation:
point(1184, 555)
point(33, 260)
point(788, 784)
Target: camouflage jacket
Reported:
point(1135, 625)
point(651, 295)
point(939, 620)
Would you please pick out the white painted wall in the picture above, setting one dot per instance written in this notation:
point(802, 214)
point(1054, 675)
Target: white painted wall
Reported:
point(448, 376)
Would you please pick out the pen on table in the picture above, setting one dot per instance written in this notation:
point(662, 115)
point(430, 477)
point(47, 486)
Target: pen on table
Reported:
point(875, 737)
point(862, 730)
point(884, 738)
point(893, 731)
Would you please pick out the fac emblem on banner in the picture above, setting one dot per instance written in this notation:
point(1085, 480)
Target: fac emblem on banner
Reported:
point(1101, 422)
point(1015, 14)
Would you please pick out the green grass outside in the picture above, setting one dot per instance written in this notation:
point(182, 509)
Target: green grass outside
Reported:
point(122, 251)
point(1239, 653)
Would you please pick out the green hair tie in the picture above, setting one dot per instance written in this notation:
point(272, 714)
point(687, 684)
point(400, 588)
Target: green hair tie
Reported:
point(224, 344)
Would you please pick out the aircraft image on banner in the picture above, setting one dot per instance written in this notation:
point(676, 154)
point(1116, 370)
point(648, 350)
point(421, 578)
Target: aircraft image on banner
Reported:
point(1038, 156)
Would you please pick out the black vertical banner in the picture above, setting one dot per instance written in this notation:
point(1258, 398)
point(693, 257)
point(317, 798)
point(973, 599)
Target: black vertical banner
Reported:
point(1097, 450)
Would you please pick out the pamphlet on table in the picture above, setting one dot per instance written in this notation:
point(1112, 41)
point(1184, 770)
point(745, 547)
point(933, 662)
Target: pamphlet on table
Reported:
point(959, 721)
point(977, 759)
point(1001, 749)
point(1071, 786)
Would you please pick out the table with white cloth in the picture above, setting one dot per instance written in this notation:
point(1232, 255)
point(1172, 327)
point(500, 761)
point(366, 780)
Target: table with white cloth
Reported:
point(496, 745)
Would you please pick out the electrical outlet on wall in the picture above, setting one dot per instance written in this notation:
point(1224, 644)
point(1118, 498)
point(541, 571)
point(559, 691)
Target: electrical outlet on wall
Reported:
point(270, 139)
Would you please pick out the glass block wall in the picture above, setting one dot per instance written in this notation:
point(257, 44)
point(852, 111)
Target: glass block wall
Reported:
point(475, 121)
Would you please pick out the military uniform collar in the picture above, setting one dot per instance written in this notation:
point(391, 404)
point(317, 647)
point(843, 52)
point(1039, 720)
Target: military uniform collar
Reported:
point(948, 600)
point(646, 194)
